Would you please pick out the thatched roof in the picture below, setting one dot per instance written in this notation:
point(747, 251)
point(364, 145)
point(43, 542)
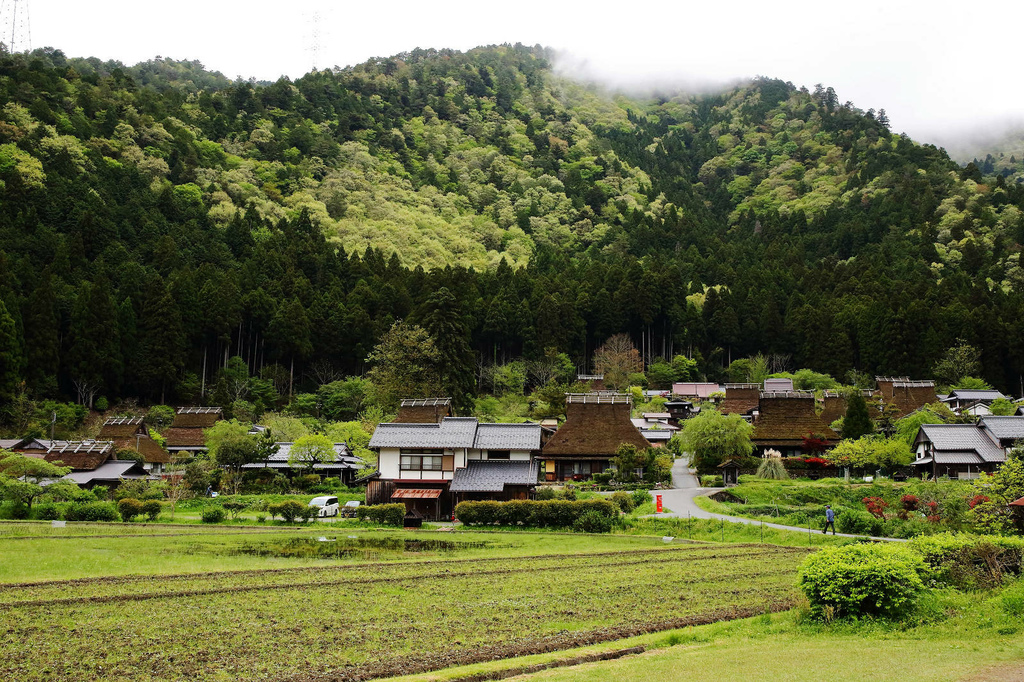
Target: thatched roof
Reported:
point(80, 455)
point(907, 395)
point(121, 427)
point(784, 419)
point(595, 425)
point(197, 417)
point(145, 446)
point(423, 410)
point(740, 398)
point(180, 438)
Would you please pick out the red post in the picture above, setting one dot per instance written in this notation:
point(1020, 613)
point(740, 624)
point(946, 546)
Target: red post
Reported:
point(658, 503)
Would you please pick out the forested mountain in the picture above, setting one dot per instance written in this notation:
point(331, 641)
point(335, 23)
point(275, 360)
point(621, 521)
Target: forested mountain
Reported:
point(158, 219)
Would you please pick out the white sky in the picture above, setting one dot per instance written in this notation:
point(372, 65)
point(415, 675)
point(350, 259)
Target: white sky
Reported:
point(938, 67)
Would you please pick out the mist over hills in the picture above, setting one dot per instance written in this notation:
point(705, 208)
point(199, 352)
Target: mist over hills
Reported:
point(188, 216)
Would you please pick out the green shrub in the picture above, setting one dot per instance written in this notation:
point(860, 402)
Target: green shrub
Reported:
point(862, 580)
point(384, 514)
point(859, 523)
point(538, 513)
point(261, 518)
point(288, 510)
point(46, 512)
point(641, 496)
point(306, 481)
point(711, 481)
point(151, 508)
point(971, 561)
point(624, 501)
point(129, 508)
point(592, 522)
point(546, 493)
point(234, 508)
point(91, 511)
point(213, 515)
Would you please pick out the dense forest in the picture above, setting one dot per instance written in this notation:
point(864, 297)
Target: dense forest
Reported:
point(157, 220)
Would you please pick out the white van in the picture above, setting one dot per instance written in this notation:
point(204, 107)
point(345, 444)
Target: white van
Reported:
point(326, 505)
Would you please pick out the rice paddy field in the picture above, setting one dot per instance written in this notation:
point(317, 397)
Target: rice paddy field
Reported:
point(186, 603)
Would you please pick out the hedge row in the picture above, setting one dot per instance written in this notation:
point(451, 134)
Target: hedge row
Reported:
point(384, 514)
point(542, 514)
point(971, 561)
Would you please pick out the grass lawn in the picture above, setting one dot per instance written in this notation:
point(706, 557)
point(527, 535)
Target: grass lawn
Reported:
point(373, 611)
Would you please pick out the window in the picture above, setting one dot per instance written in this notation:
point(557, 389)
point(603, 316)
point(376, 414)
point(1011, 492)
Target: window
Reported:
point(422, 462)
point(499, 454)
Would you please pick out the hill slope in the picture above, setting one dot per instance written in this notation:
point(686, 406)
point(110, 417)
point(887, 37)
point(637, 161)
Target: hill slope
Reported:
point(157, 219)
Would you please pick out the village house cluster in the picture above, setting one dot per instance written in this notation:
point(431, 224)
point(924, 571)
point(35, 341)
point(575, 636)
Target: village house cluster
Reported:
point(430, 460)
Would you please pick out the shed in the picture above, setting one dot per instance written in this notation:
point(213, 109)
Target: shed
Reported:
point(730, 472)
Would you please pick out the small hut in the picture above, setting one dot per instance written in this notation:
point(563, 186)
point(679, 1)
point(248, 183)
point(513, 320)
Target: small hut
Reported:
point(730, 472)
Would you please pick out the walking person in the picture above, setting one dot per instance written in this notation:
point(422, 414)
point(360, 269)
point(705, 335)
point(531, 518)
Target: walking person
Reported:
point(830, 520)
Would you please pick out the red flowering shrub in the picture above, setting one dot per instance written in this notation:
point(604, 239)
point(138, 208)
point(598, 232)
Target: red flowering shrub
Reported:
point(933, 512)
point(909, 503)
point(815, 443)
point(978, 499)
point(876, 506)
point(817, 462)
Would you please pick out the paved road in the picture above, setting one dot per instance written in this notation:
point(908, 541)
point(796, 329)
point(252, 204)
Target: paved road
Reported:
point(685, 487)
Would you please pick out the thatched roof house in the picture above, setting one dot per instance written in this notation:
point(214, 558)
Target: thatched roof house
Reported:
point(423, 410)
point(596, 425)
point(740, 399)
point(785, 419)
point(186, 432)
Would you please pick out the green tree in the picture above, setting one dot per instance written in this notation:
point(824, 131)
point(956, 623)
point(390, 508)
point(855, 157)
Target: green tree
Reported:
point(235, 451)
point(10, 357)
point(959, 361)
point(161, 340)
point(290, 331)
point(309, 451)
point(710, 438)
point(20, 477)
point(857, 421)
point(617, 359)
point(405, 365)
point(1003, 407)
point(444, 320)
point(870, 452)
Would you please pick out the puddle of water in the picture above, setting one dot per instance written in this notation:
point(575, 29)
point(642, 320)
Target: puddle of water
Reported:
point(331, 547)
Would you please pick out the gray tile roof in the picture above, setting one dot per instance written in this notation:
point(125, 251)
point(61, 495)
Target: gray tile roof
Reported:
point(491, 476)
point(953, 458)
point(343, 459)
point(452, 432)
point(962, 438)
point(1004, 428)
point(970, 394)
point(656, 434)
point(110, 470)
point(507, 437)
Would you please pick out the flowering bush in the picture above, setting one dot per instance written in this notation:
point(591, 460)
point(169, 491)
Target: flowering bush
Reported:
point(909, 503)
point(933, 512)
point(876, 506)
point(976, 500)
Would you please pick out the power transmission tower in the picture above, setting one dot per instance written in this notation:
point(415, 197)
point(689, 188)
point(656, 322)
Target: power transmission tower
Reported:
point(15, 25)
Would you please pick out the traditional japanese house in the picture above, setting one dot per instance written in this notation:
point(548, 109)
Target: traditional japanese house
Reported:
point(655, 427)
point(595, 426)
point(741, 399)
point(957, 450)
point(430, 466)
point(343, 467)
point(695, 390)
point(778, 385)
point(130, 433)
point(186, 433)
point(785, 419)
point(423, 410)
point(960, 399)
point(92, 463)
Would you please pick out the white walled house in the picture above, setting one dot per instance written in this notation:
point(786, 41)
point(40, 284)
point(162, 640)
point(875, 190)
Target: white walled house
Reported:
point(425, 464)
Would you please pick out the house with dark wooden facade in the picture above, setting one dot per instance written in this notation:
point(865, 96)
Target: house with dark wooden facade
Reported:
point(595, 426)
point(431, 466)
point(130, 433)
point(185, 436)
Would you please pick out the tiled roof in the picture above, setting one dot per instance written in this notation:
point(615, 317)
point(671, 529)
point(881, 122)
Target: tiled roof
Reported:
point(1004, 428)
point(8, 443)
point(971, 394)
point(109, 471)
point(452, 432)
point(343, 459)
point(961, 438)
point(952, 458)
point(659, 435)
point(507, 437)
point(491, 476)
